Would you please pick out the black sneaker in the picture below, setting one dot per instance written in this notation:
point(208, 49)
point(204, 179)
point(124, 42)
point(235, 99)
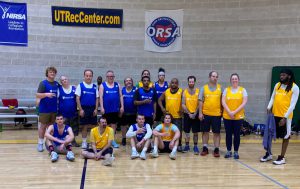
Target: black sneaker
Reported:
point(280, 160)
point(267, 157)
point(123, 141)
point(204, 151)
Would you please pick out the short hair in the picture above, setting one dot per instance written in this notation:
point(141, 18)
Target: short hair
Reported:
point(145, 77)
point(99, 78)
point(59, 115)
point(168, 114)
point(140, 115)
point(88, 70)
point(210, 73)
point(109, 71)
point(51, 68)
point(102, 117)
point(128, 78)
point(191, 77)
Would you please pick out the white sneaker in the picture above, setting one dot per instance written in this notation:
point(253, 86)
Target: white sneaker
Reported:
point(70, 156)
point(54, 156)
point(266, 158)
point(134, 154)
point(154, 154)
point(143, 155)
point(108, 161)
point(172, 155)
point(84, 145)
point(279, 161)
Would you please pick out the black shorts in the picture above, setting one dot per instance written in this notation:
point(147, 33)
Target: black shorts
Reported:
point(211, 122)
point(88, 118)
point(127, 120)
point(280, 130)
point(189, 124)
point(149, 120)
point(112, 118)
point(74, 123)
point(166, 149)
point(178, 123)
point(159, 114)
point(107, 151)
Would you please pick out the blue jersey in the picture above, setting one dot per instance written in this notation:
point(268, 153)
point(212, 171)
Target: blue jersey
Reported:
point(111, 98)
point(59, 136)
point(140, 136)
point(160, 90)
point(128, 99)
point(146, 109)
point(49, 105)
point(88, 95)
point(67, 103)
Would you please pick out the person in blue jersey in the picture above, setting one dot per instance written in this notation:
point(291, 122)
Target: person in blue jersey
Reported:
point(67, 106)
point(111, 101)
point(139, 134)
point(145, 99)
point(87, 99)
point(47, 94)
point(160, 86)
point(58, 139)
point(129, 115)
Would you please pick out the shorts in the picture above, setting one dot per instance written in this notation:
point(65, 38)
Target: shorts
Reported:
point(88, 118)
point(112, 118)
point(47, 118)
point(189, 124)
point(107, 151)
point(211, 122)
point(159, 114)
point(280, 130)
point(55, 146)
point(178, 123)
point(166, 149)
point(74, 123)
point(128, 120)
point(149, 120)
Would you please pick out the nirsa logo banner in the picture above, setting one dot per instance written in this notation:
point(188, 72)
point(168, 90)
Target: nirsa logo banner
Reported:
point(7, 14)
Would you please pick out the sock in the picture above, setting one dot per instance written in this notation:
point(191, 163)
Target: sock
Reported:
point(174, 149)
point(133, 149)
point(144, 150)
point(41, 141)
point(83, 139)
point(205, 145)
point(51, 148)
point(69, 147)
point(155, 148)
point(187, 143)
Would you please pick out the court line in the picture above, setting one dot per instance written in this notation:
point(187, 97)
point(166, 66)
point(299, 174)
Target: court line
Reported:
point(83, 174)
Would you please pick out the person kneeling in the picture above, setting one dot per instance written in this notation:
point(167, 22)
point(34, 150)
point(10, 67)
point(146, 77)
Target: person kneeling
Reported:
point(166, 137)
point(59, 138)
point(139, 135)
point(101, 138)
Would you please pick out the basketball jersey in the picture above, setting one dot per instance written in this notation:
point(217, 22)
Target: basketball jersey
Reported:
point(140, 136)
point(140, 84)
point(101, 140)
point(191, 101)
point(67, 103)
point(167, 130)
point(49, 105)
point(128, 99)
point(173, 102)
point(233, 101)
point(160, 90)
point(212, 101)
point(282, 102)
point(111, 98)
point(146, 109)
point(59, 136)
point(88, 95)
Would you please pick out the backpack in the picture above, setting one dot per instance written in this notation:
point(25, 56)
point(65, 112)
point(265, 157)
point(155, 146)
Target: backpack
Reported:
point(20, 120)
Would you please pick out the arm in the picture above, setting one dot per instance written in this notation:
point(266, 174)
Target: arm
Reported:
point(294, 100)
point(271, 100)
point(136, 101)
point(96, 106)
point(201, 100)
point(185, 110)
point(245, 99)
point(176, 136)
point(149, 132)
point(121, 100)
point(70, 138)
point(160, 100)
point(49, 136)
point(81, 112)
point(224, 104)
point(130, 133)
point(101, 89)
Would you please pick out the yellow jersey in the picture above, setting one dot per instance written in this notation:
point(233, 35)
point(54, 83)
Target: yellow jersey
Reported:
point(191, 101)
point(173, 102)
point(140, 84)
point(169, 130)
point(101, 140)
point(233, 101)
point(212, 101)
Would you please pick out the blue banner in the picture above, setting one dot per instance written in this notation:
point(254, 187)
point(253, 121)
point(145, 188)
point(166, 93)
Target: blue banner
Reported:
point(87, 17)
point(13, 24)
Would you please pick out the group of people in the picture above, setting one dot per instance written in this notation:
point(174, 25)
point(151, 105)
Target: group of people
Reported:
point(157, 114)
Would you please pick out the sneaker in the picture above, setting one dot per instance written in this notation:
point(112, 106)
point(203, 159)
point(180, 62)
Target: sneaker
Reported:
point(143, 155)
point(172, 155)
point(236, 155)
point(54, 156)
point(179, 149)
point(204, 151)
point(134, 154)
point(154, 154)
point(228, 154)
point(114, 144)
point(84, 145)
point(123, 141)
point(108, 161)
point(216, 152)
point(280, 160)
point(40, 147)
point(196, 150)
point(186, 149)
point(266, 158)
point(70, 156)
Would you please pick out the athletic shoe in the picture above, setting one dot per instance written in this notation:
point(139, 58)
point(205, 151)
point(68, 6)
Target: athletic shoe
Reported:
point(40, 147)
point(154, 154)
point(70, 156)
point(134, 154)
point(84, 145)
point(228, 154)
point(179, 149)
point(216, 152)
point(114, 144)
point(172, 155)
point(196, 150)
point(236, 155)
point(143, 155)
point(123, 141)
point(266, 158)
point(204, 151)
point(108, 161)
point(280, 160)
point(54, 156)
point(186, 149)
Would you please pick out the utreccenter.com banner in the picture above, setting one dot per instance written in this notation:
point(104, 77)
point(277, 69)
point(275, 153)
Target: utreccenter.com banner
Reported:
point(87, 17)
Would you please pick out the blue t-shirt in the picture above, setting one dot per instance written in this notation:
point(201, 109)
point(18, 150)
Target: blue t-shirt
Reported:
point(49, 105)
point(111, 98)
point(67, 103)
point(128, 99)
point(59, 136)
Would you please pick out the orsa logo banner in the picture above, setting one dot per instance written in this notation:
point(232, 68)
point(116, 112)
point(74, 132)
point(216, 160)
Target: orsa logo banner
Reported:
point(13, 24)
point(163, 30)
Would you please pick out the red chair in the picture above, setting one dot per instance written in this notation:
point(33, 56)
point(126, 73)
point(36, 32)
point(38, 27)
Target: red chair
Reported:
point(11, 103)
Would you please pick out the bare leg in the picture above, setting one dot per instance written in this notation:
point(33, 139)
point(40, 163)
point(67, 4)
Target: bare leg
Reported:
point(217, 138)
point(124, 130)
point(84, 131)
point(205, 138)
point(285, 143)
point(195, 138)
point(88, 155)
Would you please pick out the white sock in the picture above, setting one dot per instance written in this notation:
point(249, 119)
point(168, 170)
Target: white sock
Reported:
point(144, 150)
point(83, 139)
point(133, 149)
point(40, 141)
point(155, 148)
point(205, 145)
point(174, 149)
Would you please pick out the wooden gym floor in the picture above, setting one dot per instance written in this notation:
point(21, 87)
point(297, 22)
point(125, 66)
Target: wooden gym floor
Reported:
point(23, 167)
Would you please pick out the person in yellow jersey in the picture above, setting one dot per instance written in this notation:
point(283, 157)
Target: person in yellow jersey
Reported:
point(101, 138)
point(282, 104)
point(234, 99)
point(140, 83)
point(166, 137)
point(210, 112)
point(172, 98)
point(190, 117)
